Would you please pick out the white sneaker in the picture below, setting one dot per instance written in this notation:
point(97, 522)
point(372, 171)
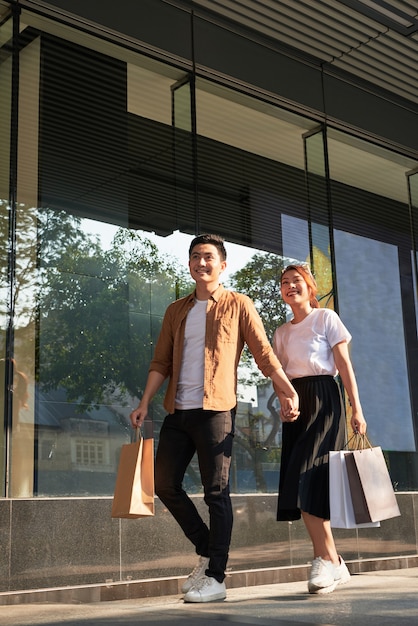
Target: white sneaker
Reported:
point(198, 572)
point(206, 589)
point(342, 575)
point(322, 578)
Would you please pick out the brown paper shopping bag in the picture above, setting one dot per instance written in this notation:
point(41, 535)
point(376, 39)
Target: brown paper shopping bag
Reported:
point(134, 488)
point(340, 502)
point(371, 488)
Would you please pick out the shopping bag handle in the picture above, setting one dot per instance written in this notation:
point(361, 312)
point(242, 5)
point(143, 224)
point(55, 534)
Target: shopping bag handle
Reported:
point(358, 442)
point(137, 435)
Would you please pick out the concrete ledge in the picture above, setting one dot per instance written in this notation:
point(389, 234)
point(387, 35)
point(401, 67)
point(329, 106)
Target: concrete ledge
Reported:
point(172, 586)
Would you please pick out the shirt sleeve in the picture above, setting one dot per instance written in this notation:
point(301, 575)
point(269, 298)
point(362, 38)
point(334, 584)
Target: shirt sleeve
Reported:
point(277, 344)
point(162, 360)
point(256, 338)
point(335, 329)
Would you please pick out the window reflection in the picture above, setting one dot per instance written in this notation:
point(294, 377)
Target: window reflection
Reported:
point(110, 197)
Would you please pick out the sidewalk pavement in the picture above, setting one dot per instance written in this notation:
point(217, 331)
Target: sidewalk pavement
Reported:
point(369, 599)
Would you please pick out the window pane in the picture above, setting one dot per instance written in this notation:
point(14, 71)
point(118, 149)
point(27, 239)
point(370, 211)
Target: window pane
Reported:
point(373, 260)
point(91, 288)
point(251, 189)
point(5, 108)
point(112, 187)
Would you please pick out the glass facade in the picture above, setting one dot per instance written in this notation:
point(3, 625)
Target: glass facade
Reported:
point(7, 223)
point(111, 161)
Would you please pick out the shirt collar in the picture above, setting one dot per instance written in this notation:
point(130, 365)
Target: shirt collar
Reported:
point(215, 295)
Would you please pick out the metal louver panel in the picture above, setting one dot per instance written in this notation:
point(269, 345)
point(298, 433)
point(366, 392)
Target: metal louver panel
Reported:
point(375, 41)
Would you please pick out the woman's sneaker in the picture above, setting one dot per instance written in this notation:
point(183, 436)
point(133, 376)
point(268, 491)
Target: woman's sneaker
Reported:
point(342, 575)
point(322, 577)
point(325, 576)
point(198, 572)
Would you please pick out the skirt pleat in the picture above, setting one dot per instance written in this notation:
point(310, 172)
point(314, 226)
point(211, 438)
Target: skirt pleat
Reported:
point(306, 443)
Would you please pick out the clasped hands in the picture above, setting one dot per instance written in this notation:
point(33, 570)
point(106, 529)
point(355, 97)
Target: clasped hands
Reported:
point(289, 407)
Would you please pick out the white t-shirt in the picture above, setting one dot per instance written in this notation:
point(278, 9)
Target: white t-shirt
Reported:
point(190, 384)
point(305, 348)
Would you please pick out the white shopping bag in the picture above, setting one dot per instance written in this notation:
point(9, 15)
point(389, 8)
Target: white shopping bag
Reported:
point(341, 506)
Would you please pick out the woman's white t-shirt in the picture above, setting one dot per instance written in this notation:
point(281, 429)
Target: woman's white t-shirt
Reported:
point(305, 348)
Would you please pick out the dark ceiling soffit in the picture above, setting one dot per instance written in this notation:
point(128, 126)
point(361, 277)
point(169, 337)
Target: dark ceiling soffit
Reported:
point(383, 18)
point(236, 27)
point(295, 53)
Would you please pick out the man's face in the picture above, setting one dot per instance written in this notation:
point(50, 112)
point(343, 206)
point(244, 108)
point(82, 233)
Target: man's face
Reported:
point(205, 263)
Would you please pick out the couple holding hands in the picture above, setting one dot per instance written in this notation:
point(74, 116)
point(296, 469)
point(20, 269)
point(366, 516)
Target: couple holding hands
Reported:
point(198, 350)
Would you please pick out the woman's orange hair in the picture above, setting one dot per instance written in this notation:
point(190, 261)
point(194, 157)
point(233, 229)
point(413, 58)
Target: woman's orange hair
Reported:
point(305, 271)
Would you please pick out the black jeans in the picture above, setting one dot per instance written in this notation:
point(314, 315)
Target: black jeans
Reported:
point(210, 434)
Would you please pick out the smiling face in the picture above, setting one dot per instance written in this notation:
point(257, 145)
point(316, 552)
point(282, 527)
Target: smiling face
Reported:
point(294, 288)
point(206, 265)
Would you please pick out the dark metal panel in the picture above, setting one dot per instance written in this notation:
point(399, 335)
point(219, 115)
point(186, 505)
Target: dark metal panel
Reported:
point(376, 42)
point(154, 22)
point(368, 110)
point(257, 65)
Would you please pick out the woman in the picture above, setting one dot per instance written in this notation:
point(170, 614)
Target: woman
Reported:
point(313, 348)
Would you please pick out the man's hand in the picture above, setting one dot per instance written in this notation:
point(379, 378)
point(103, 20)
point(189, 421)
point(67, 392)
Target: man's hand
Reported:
point(138, 415)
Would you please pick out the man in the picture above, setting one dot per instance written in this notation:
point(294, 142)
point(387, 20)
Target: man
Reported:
point(199, 347)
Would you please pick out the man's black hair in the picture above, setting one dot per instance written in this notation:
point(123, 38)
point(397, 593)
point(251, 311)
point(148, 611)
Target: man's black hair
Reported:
point(215, 240)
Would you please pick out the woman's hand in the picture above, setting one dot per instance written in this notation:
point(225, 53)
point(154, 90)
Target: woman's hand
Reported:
point(358, 423)
point(289, 399)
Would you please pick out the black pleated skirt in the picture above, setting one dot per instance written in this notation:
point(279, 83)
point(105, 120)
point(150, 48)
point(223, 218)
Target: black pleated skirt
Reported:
point(320, 427)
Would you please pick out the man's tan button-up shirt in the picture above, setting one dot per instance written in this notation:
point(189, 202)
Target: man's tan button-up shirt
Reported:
point(231, 321)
